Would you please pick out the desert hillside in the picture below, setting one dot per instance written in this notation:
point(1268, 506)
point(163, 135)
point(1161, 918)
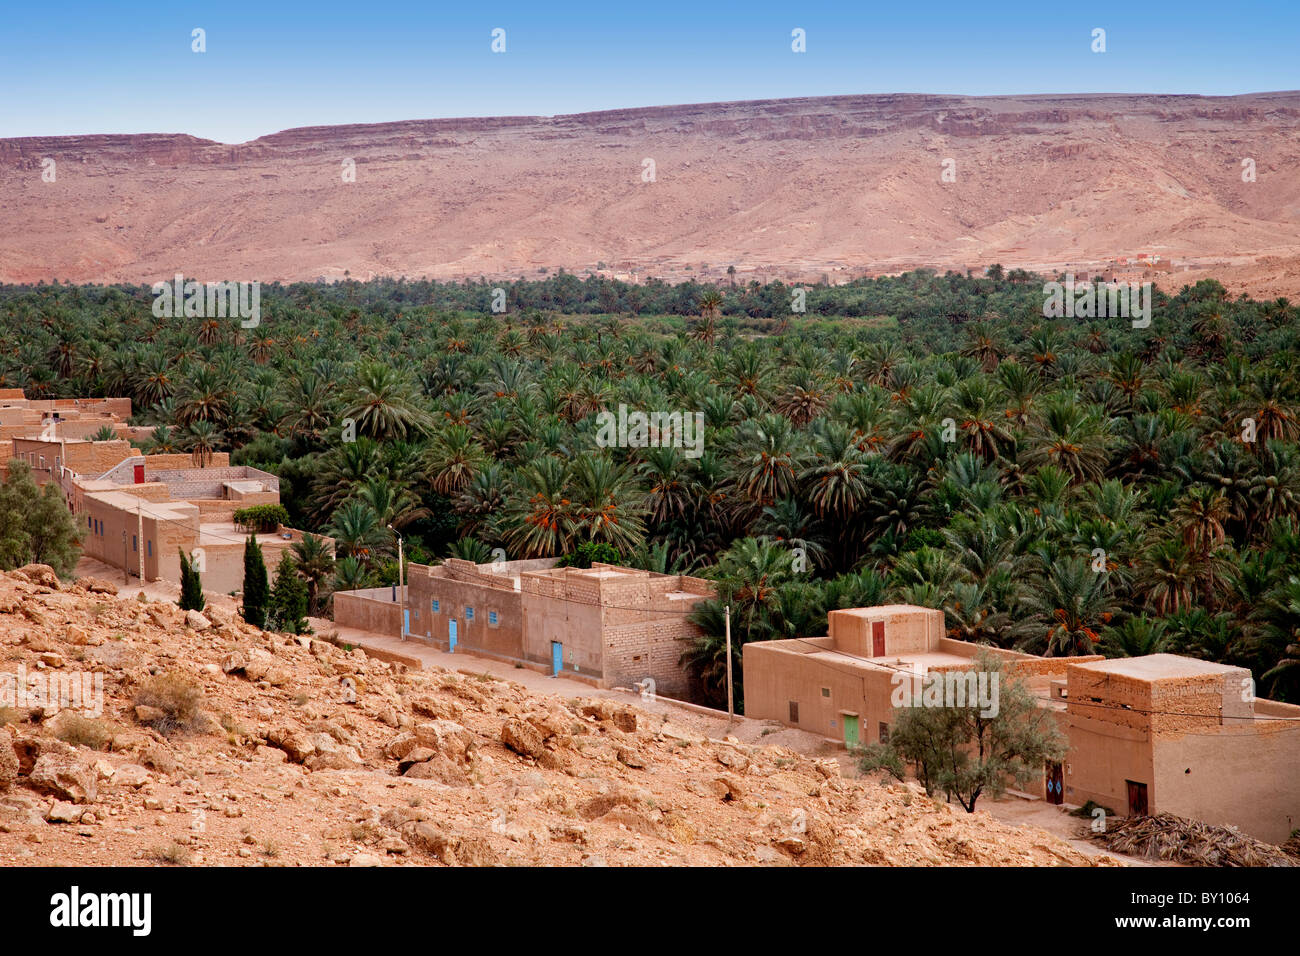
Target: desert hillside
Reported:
point(222, 744)
point(794, 188)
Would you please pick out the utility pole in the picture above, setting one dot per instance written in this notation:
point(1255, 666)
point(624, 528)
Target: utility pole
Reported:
point(731, 706)
point(126, 560)
point(401, 586)
point(139, 517)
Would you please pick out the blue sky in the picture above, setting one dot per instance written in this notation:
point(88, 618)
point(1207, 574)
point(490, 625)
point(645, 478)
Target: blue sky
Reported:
point(95, 67)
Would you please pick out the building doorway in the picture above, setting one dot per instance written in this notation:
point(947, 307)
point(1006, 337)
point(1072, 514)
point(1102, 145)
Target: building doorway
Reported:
point(850, 730)
point(1137, 798)
point(557, 658)
point(451, 636)
point(1055, 784)
point(877, 638)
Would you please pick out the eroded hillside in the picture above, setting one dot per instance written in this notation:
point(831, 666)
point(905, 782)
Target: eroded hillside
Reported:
point(833, 186)
point(221, 744)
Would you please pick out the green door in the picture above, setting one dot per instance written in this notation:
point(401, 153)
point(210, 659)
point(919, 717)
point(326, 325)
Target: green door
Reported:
point(850, 730)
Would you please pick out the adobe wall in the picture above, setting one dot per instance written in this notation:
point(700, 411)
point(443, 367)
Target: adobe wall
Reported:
point(458, 585)
point(84, 458)
point(224, 563)
point(911, 631)
point(181, 462)
point(370, 610)
point(1245, 776)
point(162, 537)
point(1103, 754)
point(192, 483)
point(576, 622)
point(776, 676)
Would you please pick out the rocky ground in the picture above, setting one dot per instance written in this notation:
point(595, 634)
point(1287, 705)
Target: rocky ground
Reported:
point(221, 744)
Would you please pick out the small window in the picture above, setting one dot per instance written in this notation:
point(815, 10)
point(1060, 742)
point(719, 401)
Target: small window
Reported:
point(794, 712)
point(148, 547)
point(133, 544)
point(492, 618)
point(469, 613)
point(884, 733)
point(433, 605)
point(826, 692)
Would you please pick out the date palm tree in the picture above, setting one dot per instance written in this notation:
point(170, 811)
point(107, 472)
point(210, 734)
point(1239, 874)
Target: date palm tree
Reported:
point(383, 404)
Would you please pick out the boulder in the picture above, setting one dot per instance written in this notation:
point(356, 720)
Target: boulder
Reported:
point(296, 744)
point(447, 738)
point(65, 777)
point(522, 737)
point(131, 775)
point(341, 758)
point(414, 756)
point(630, 758)
point(451, 848)
point(97, 586)
point(149, 715)
point(436, 707)
point(727, 787)
point(160, 758)
point(400, 746)
point(64, 812)
point(258, 664)
point(40, 574)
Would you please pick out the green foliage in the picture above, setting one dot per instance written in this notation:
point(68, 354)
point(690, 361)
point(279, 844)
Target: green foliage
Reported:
point(964, 749)
point(288, 607)
point(192, 598)
point(924, 437)
point(256, 587)
point(261, 519)
point(590, 552)
point(35, 524)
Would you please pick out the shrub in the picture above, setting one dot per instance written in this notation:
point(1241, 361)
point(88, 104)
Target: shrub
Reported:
point(176, 854)
point(261, 519)
point(176, 697)
point(73, 728)
point(590, 552)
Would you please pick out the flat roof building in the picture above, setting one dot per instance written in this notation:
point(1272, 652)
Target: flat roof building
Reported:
point(606, 624)
point(1146, 734)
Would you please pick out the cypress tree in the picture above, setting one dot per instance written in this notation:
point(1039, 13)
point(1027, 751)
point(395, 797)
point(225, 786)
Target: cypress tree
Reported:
point(289, 598)
point(192, 598)
point(257, 590)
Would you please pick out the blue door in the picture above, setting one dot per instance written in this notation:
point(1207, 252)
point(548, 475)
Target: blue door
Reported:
point(406, 621)
point(451, 635)
point(557, 658)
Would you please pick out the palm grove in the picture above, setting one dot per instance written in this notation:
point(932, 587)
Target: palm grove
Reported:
point(1059, 486)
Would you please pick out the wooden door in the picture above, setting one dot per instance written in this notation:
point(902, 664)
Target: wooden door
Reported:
point(1055, 783)
point(1137, 798)
point(877, 638)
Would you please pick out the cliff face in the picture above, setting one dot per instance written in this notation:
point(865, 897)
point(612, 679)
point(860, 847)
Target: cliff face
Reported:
point(777, 188)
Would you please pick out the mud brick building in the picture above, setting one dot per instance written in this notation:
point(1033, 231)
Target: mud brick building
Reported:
point(136, 511)
point(608, 625)
point(1146, 734)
